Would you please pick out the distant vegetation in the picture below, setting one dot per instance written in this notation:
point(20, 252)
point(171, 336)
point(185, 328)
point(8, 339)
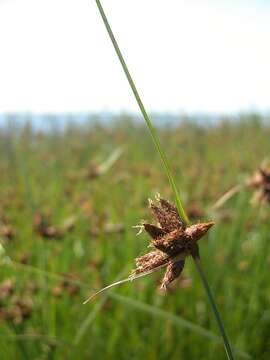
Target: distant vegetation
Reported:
point(68, 201)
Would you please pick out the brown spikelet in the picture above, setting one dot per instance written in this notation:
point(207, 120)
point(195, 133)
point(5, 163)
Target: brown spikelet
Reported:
point(171, 214)
point(154, 231)
point(173, 270)
point(149, 261)
point(166, 215)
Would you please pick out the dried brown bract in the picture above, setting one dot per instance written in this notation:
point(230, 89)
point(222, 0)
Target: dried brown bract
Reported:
point(172, 241)
point(260, 181)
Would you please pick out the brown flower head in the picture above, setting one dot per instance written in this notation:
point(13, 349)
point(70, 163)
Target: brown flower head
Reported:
point(172, 241)
point(260, 181)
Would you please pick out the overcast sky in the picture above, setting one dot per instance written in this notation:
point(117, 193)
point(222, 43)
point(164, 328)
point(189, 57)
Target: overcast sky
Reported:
point(184, 55)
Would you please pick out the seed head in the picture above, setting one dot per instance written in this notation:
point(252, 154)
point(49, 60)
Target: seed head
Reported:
point(172, 240)
point(260, 181)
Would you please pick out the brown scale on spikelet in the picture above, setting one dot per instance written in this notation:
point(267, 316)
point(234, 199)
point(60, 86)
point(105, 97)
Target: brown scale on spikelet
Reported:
point(173, 242)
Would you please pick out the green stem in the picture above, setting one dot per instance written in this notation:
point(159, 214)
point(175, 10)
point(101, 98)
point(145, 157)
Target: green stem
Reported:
point(214, 308)
point(149, 124)
point(166, 166)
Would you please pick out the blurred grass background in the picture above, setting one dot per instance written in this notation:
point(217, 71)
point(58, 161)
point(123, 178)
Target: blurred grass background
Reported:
point(66, 229)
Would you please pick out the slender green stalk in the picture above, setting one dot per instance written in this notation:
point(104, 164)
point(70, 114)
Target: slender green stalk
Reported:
point(149, 124)
point(214, 308)
point(166, 166)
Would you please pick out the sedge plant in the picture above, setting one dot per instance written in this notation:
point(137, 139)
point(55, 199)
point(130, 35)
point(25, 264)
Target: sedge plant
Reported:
point(176, 229)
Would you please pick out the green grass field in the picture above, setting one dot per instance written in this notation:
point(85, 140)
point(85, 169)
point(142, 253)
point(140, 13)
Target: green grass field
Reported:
point(68, 202)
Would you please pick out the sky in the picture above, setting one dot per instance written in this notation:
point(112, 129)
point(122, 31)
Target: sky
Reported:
point(184, 55)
